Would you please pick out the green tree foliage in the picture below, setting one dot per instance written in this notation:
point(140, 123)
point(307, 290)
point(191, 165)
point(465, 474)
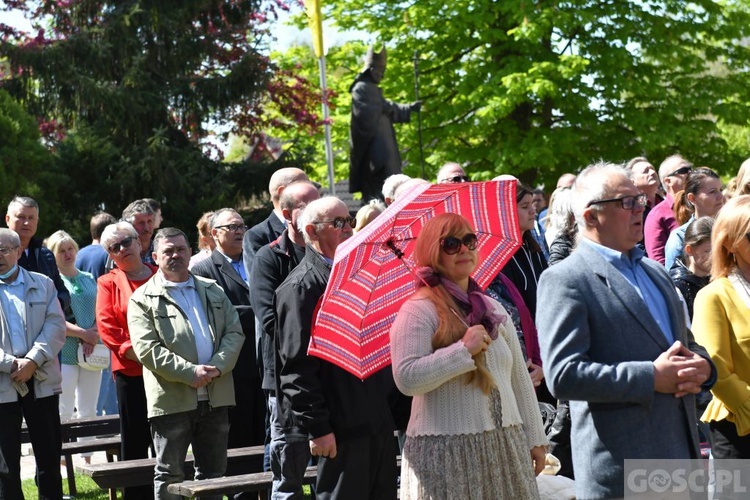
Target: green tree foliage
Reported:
point(26, 167)
point(22, 156)
point(543, 87)
point(127, 91)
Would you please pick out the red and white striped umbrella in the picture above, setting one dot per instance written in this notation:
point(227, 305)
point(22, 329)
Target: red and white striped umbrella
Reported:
point(373, 273)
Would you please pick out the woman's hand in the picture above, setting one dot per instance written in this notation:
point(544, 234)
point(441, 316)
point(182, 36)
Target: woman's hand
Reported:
point(87, 349)
point(535, 372)
point(476, 339)
point(90, 335)
point(538, 458)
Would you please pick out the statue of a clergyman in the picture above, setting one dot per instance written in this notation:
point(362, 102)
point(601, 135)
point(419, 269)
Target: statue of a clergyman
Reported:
point(373, 149)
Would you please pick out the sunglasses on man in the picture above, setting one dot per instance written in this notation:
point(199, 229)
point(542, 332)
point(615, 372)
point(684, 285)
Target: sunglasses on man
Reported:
point(457, 178)
point(681, 171)
point(339, 222)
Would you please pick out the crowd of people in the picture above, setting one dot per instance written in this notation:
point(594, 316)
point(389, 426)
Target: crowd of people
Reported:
point(625, 306)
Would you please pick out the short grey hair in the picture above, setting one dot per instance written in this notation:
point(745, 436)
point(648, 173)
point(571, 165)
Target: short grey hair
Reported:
point(136, 208)
point(24, 201)
point(168, 232)
point(10, 236)
point(218, 213)
point(314, 211)
point(392, 183)
point(593, 184)
point(115, 231)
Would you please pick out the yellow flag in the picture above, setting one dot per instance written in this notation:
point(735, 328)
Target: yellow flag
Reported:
point(316, 25)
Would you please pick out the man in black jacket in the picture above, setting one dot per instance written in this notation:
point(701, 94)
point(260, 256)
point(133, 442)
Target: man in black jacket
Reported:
point(267, 231)
point(274, 262)
point(346, 421)
point(225, 266)
point(22, 217)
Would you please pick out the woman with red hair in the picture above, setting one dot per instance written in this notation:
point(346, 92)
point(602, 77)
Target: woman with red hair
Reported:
point(475, 429)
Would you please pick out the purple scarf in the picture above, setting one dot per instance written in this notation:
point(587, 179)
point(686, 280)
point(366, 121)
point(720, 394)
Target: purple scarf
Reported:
point(473, 302)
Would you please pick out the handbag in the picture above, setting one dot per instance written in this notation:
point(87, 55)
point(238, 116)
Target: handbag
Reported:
point(97, 361)
point(559, 439)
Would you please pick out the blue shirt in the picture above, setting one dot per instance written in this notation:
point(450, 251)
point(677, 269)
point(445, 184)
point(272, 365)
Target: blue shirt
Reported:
point(92, 259)
point(631, 269)
point(238, 266)
point(14, 313)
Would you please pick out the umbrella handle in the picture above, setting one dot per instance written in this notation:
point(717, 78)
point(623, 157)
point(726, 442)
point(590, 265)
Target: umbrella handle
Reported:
point(397, 251)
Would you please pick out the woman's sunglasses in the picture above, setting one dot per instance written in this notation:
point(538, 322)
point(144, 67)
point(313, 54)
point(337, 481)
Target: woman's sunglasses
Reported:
point(451, 245)
point(123, 243)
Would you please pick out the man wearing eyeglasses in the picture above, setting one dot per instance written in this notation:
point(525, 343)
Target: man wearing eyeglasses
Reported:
point(225, 266)
point(660, 221)
point(32, 333)
point(346, 421)
point(451, 173)
point(614, 341)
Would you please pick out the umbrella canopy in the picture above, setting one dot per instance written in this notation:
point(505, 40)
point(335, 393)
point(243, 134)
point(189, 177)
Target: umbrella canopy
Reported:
point(373, 273)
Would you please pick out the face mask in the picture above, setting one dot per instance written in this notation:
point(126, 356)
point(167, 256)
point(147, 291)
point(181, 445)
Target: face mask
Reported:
point(9, 273)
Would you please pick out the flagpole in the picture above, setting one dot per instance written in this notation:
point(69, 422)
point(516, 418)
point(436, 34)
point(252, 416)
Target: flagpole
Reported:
point(419, 112)
point(316, 27)
point(327, 124)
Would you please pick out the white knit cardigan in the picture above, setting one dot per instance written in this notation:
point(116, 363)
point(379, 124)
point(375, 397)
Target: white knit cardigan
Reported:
point(444, 404)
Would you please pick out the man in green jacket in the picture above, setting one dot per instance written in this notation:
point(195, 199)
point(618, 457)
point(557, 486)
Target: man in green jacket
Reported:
point(188, 336)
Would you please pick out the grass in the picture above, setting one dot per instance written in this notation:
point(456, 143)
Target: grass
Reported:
point(87, 489)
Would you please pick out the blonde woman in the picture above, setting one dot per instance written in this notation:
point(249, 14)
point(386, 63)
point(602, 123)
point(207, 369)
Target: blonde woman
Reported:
point(368, 213)
point(721, 323)
point(80, 388)
point(475, 429)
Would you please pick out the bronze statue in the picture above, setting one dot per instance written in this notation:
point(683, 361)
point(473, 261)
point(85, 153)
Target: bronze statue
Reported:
point(373, 150)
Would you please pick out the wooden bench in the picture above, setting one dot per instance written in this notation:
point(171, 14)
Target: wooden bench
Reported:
point(71, 430)
point(231, 485)
point(126, 473)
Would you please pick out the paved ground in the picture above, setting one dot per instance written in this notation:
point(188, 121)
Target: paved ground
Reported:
point(28, 466)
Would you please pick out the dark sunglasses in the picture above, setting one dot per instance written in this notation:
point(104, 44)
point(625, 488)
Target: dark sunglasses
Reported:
point(681, 171)
point(339, 222)
point(627, 202)
point(458, 178)
point(452, 245)
point(123, 243)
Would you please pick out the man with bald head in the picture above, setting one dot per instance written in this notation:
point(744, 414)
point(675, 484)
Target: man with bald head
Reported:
point(660, 221)
point(346, 422)
point(273, 263)
point(566, 180)
point(267, 231)
point(451, 172)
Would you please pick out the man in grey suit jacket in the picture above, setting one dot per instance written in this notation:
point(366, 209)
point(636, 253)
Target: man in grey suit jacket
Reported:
point(226, 268)
point(614, 341)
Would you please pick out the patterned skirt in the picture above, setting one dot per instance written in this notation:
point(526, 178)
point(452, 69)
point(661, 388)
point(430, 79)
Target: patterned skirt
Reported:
point(492, 465)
